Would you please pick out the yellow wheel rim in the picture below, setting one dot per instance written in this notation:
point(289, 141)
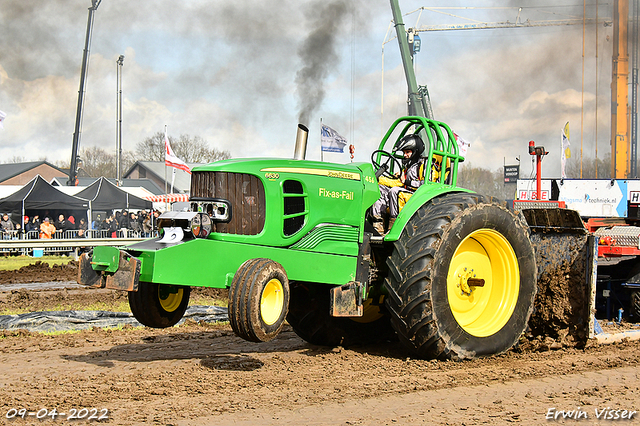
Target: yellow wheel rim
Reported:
point(483, 308)
point(168, 300)
point(272, 301)
point(370, 312)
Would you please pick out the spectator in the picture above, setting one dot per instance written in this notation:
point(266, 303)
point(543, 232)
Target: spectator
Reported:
point(124, 220)
point(156, 214)
point(134, 224)
point(82, 228)
point(47, 229)
point(147, 225)
point(61, 224)
point(6, 224)
point(71, 221)
point(111, 226)
point(96, 224)
point(34, 225)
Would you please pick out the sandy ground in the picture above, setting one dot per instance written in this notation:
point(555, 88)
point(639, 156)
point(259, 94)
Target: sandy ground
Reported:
point(202, 374)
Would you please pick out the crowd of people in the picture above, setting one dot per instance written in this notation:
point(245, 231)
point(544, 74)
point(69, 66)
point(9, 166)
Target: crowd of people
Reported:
point(142, 223)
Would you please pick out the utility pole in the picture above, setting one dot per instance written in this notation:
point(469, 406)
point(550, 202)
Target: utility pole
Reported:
point(120, 63)
point(73, 172)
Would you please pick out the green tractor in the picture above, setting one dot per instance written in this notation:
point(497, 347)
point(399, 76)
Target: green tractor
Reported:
point(455, 276)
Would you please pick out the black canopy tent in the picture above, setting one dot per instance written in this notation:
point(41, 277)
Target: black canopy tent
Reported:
point(104, 196)
point(39, 196)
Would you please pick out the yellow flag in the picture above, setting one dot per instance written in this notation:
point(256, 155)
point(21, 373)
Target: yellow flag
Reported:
point(565, 141)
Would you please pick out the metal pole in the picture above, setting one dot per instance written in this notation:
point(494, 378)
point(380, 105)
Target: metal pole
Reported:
point(415, 105)
point(120, 63)
point(633, 167)
point(83, 74)
point(166, 200)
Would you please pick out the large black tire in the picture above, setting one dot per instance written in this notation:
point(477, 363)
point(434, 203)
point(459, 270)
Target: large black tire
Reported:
point(437, 311)
point(310, 319)
point(258, 300)
point(159, 305)
point(635, 305)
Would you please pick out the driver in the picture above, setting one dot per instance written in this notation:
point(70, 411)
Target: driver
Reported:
point(394, 192)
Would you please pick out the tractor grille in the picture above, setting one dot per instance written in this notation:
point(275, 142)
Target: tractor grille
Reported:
point(244, 191)
point(295, 207)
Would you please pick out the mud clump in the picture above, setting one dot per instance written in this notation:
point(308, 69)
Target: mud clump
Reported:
point(40, 272)
point(561, 306)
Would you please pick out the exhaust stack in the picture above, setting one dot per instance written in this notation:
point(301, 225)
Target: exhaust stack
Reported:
point(300, 151)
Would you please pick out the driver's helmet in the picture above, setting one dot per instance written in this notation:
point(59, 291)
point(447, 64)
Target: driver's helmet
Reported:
point(412, 142)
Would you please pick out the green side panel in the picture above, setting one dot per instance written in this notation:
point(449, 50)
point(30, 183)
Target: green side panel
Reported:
point(329, 238)
point(105, 259)
point(423, 195)
point(211, 263)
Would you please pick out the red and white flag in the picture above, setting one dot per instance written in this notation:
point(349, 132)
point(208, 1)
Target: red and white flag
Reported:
point(170, 158)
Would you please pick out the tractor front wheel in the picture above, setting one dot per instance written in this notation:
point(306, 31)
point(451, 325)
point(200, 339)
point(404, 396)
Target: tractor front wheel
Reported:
point(258, 300)
point(462, 278)
point(159, 305)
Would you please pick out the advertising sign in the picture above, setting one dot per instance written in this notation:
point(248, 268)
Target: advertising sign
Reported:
point(511, 173)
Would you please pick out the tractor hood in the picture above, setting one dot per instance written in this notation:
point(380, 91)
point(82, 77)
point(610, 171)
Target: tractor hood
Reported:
point(279, 202)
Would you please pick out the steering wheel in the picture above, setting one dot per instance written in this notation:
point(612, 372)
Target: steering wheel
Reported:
point(382, 169)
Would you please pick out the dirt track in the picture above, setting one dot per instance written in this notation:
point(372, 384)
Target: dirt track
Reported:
point(199, 374)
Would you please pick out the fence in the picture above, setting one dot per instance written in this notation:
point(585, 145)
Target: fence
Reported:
point(64, 242)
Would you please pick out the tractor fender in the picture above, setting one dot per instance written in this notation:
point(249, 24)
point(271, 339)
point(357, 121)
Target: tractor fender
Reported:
point(423, 195)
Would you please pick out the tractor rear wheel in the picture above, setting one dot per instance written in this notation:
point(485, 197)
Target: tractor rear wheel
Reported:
point(258, 300)
point(462, 278)
point(310, 319)
point(159, 305)
point(635, 305)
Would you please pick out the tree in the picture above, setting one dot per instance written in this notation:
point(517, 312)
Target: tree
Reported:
point(589, 167)
point(188, 149)
point(484, 181)
point(16, 159)
point(96, 162)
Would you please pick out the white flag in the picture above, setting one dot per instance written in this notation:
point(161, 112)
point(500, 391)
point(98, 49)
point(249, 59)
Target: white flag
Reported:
point(462, 145)
point(331, 141)
point(565, 152)
point(170, 158)
point(2, 117)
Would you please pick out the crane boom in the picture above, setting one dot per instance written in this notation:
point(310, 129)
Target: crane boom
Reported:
point(73, 165)
point(620, 93)
point(417, 94)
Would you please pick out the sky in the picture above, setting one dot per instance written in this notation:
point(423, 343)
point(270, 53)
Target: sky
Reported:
point(243, 74)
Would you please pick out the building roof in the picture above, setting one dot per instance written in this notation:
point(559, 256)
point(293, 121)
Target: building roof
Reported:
point(182, 181)
point(10, 170)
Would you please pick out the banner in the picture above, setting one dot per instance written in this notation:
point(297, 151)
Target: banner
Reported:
point(170, 158)
point(331, 141)
point(511, 173)
point(565, 152)
point(462, 145)
point(2, 117)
